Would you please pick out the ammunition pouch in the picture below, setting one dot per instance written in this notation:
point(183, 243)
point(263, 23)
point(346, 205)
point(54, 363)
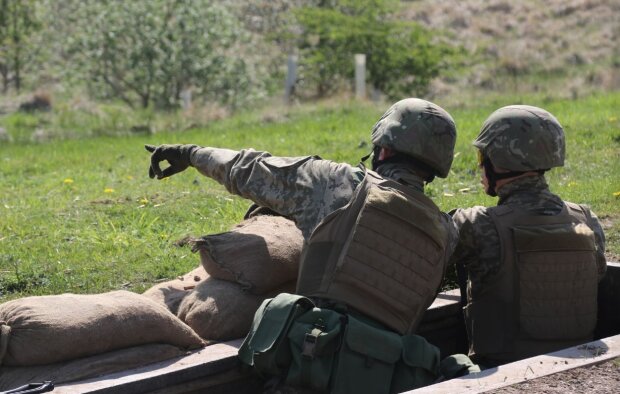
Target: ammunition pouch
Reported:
point(334, 352)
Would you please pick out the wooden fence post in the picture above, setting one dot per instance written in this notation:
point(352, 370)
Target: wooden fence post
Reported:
point(291, 78)
point(360, 76)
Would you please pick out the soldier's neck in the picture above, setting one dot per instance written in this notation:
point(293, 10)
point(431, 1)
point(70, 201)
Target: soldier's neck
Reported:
point(398, 173)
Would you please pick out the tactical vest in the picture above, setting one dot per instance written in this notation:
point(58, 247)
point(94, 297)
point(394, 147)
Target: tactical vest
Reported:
point(382, 254)
point(544, 297)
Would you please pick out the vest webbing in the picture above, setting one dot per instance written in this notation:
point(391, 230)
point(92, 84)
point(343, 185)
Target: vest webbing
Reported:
point(382, 254)
point(544, 296)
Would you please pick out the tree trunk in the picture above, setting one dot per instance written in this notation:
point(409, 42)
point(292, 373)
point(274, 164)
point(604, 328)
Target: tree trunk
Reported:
point(16, 53)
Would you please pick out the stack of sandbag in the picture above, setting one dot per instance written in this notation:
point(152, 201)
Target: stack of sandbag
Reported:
point(53, 329)
point(257, 259)
point(171, 293)
point(261, 253)
point(69, 337)
point(219, 310)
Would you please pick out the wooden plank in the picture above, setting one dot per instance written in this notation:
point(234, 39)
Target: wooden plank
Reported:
point(519, 371)
point(209, 361)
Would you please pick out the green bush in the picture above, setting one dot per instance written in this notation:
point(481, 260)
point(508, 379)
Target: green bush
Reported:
point(148, 52)
point(401, 57)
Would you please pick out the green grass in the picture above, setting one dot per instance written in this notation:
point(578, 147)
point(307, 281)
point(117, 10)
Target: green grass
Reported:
point(79, 213)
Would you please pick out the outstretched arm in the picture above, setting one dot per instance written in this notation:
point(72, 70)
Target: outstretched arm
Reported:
point(306, 189)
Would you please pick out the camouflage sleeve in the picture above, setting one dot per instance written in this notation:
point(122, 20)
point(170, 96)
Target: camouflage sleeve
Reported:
point(453, 238)
point(305, 189)
point(464, 251)
point(478, 244)
point(599, 237)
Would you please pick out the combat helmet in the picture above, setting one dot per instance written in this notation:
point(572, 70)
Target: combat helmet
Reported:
point(419, 129)
point(522, 138)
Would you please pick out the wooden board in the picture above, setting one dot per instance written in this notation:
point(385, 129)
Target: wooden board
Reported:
point(519, 371)
point(208, 362)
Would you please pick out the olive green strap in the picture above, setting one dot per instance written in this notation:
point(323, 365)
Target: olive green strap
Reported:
point(307, 356)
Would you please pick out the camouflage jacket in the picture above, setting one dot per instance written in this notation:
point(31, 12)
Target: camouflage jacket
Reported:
point(478, 247)
point(304, 189)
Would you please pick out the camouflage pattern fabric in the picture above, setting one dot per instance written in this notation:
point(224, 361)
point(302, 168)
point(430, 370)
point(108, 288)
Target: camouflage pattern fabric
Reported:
point(304, 189)
point(478, 248)
point(522, 138)
point(420, 129)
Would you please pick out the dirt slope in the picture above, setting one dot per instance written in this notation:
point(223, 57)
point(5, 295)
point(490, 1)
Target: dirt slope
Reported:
point(556, 46)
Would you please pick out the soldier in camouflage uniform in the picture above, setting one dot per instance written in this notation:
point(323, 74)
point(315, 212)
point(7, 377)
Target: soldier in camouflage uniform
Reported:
point(413, 142)
point(306, 189)
point(383, 216)
point(532, 263)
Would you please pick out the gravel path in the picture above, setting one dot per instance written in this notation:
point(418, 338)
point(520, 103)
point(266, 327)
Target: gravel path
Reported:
point(602, 378)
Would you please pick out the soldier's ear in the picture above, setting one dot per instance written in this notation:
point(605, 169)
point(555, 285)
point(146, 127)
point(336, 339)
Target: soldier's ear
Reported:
point(386, 153)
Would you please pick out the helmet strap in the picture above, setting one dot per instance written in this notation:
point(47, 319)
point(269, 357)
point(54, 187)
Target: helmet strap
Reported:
point(493, 176)
point(404, 160)
point(363, 159)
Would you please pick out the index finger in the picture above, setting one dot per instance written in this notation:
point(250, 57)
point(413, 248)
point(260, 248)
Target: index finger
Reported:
point(155, 160)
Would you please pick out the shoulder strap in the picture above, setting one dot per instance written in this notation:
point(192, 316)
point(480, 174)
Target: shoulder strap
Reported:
point(578, 210)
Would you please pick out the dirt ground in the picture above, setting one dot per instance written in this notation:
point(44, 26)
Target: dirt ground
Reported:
point(596, 379)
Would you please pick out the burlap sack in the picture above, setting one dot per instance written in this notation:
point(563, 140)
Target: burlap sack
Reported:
point(49, 329)
point(171, 293)
point(89, 367)
point(261, 253)
point(219, 310)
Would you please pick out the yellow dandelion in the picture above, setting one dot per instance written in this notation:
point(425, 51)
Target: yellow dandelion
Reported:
point(129, 178)
point(144, 201)
point(613, 119)
point(108, 190)
point(68, 181)
point(572, 184)
point(617, 194)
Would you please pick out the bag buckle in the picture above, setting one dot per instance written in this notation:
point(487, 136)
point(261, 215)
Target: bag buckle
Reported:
point(309, 345)
point(310, 339)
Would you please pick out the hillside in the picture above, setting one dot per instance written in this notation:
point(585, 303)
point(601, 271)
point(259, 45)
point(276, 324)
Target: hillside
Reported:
point(556, 47)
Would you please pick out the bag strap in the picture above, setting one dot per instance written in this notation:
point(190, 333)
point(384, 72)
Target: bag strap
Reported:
point(271, 321)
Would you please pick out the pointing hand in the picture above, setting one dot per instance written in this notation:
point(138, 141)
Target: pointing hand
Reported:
point(177, 155)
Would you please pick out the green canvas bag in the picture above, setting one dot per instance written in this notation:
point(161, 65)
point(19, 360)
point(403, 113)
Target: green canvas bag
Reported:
point(265, 347)
point(314, 339)
point(366, 360)
point(328, 351)
point(418, 366)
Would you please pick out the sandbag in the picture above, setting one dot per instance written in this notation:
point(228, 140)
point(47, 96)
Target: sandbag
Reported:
point(89, 367)
point(261, 253)
point(48, 329)
point(220, 310)
point(171, 293)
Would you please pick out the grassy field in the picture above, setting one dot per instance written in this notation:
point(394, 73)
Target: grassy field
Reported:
point(78, 212)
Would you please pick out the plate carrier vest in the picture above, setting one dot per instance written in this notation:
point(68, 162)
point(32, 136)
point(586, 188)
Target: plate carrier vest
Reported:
point(382, 254)
point(544, 297)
